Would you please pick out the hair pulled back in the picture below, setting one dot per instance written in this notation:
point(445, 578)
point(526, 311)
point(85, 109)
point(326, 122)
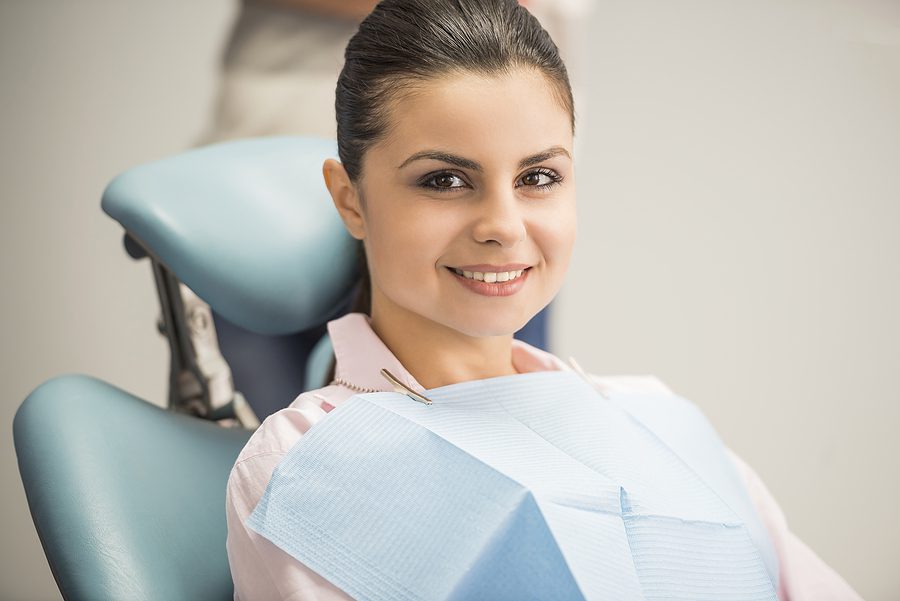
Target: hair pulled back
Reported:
point(403, 44)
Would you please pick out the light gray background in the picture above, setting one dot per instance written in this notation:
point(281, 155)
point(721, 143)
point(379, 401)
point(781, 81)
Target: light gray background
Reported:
point(739, 183)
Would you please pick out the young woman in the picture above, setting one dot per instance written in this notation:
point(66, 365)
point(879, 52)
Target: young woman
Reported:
point(455, 134)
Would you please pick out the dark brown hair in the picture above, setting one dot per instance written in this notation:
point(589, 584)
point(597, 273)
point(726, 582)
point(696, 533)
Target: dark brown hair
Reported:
point(402, 44)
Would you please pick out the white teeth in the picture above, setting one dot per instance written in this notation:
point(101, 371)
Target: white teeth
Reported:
point(490, 277)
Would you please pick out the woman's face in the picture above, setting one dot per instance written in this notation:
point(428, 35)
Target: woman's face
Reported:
point(468, 204)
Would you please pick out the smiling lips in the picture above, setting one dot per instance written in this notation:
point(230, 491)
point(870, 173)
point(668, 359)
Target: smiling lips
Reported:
point(490, 276)
point(492, 280)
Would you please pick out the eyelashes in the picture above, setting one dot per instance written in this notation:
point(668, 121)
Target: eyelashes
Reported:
point(551, 175)
point(430, 181)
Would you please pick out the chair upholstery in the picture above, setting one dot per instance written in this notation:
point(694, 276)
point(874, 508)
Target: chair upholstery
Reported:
point(127, 498)
point(249, 226)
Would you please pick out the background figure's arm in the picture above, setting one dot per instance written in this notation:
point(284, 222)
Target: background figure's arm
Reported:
point(345, 9)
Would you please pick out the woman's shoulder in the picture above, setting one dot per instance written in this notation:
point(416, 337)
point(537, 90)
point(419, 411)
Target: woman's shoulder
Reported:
point(272, 440)
point(528, 358)
point(280, 431)
point(631, 383)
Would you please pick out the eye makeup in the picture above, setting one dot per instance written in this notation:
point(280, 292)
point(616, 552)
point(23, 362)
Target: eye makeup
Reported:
point(429, 181)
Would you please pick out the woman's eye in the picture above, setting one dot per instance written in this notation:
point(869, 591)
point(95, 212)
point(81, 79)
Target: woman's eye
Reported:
point(447, 181)
point(540, 178)
point(443, 182)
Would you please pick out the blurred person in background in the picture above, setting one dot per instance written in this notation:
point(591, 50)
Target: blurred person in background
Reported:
point(282, 59)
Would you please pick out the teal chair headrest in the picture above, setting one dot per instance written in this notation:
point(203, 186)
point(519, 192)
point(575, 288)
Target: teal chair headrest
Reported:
point(249, 226)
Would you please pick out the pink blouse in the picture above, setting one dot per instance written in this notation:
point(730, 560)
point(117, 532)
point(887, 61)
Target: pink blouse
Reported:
point(263, 572)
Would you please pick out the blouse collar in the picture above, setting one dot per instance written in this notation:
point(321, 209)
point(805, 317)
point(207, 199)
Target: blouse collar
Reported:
point(360, 356)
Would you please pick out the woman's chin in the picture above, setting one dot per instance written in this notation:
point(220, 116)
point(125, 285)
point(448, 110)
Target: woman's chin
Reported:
point(483, 327)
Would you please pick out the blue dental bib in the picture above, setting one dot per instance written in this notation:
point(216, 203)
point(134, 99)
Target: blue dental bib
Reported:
point(532, 486)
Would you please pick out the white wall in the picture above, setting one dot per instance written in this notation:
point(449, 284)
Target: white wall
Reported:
point(738, 187)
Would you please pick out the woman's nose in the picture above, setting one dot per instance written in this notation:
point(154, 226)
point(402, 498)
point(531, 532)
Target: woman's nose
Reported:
point(500, 220)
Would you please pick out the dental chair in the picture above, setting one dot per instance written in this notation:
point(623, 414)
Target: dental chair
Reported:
point(127, 497)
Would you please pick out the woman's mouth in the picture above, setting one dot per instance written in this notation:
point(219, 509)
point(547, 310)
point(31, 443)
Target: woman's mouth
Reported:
point(490, 276)
point(499, 282)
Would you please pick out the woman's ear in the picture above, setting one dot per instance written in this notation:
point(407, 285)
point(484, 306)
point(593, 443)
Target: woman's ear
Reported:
point(345, 196)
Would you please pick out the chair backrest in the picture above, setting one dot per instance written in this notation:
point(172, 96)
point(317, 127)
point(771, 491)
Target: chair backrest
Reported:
point(127, 498)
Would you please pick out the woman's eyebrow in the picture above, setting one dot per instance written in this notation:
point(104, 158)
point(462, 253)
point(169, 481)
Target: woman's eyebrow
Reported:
point(465, 163)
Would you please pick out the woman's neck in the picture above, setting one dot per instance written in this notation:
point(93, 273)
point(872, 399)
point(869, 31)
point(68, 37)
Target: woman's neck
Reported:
point(437, 355)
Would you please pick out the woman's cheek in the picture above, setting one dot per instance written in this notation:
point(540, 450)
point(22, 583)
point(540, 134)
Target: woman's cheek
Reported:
point(567, 238)
point(556, 240)
point(566, 230)
point(405, 245)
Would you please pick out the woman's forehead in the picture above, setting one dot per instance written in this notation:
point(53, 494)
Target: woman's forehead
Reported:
point(489, 118)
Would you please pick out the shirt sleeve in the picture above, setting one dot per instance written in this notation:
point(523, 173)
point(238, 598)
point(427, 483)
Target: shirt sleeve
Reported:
point(261, 571)
point(803, 575)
